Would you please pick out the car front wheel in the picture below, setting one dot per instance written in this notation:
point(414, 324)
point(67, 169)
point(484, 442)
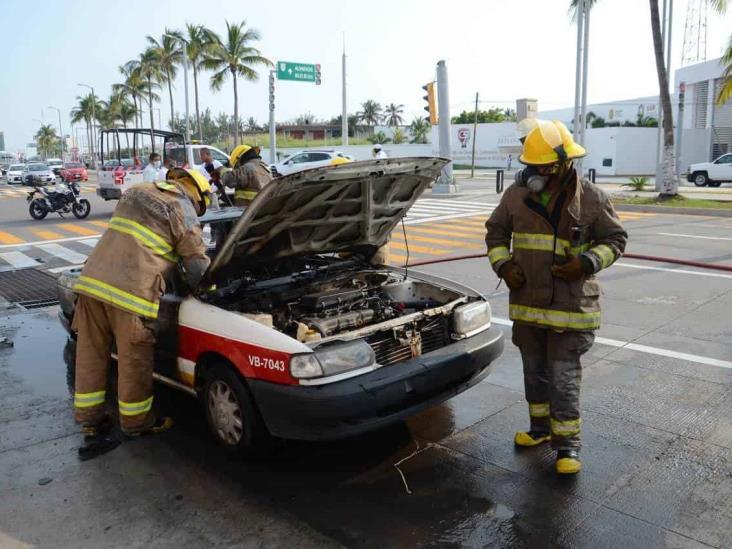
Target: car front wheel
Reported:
point(232, 417)
point(700, 179)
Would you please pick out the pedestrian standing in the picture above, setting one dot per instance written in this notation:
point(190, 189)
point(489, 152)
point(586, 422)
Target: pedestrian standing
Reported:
point(508, 162)
point(550, 234)
point(151, 173)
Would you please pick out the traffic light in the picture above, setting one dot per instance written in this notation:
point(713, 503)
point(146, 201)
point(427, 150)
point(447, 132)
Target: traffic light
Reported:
point(317, 75)
point(431, 107)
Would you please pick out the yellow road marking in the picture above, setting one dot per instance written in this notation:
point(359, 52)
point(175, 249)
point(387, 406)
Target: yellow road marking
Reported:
point(7, 238)
point(439, 241)
point(470, 221)
point(77, 229)
point(102, 224)
point(47, 235)
point(448, 231)
point(417, 249)
point(397, 259)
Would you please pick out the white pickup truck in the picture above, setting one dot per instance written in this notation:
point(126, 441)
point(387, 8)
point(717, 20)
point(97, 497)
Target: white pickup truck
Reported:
point(712, 173)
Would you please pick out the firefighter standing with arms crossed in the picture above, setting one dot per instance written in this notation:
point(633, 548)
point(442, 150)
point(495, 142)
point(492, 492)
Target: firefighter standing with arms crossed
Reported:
point(563, 230)
point(154, 227)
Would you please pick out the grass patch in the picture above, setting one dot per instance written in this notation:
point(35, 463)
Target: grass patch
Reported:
point(678, 201)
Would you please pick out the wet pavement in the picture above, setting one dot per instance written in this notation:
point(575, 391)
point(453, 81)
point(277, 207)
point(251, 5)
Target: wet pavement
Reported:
point(657, 454)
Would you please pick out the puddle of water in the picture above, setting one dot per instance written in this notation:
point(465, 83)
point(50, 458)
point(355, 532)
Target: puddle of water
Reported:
point(37, 353)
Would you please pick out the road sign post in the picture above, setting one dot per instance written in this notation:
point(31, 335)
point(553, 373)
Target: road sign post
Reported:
point(272, 129)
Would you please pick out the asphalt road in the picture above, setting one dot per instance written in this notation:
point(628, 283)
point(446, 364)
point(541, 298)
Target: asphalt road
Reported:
point(657, 434)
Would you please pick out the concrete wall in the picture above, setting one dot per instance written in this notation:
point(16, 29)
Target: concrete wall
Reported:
point(695, 146)
point(361, 152)
point(635, 150)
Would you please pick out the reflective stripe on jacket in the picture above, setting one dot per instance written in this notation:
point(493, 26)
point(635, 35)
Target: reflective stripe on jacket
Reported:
point(584, 223)
point(247, 180)
point(153, 226)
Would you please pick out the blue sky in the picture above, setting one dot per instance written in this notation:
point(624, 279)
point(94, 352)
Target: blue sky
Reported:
point(502, 49)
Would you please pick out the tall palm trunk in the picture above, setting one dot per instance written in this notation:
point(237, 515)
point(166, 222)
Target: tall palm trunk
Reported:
point(669, 178)
point(195, 94)
point(170, 92)
point(236, 109)
point(150, 107)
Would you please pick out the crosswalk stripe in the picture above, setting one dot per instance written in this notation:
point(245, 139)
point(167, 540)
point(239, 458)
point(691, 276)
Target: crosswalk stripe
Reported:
point(103, 224)
point(436, 209)
point(78, 229)
point(91, 242)
point(447, 231)
point(19, 260)
point(439, 241)
point(417, 249)
point(64, 253)
point(471, 222)
point(456, 203)
point(446, 217)
point(7, 238)
point(450, 206)
point(46, 235)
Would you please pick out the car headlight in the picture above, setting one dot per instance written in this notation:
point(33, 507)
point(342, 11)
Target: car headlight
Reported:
point(333, 359)
point(472, 317)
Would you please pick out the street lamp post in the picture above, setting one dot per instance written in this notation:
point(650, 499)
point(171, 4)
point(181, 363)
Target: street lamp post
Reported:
point(94, 123)
point(185, 86)
point(60, 130)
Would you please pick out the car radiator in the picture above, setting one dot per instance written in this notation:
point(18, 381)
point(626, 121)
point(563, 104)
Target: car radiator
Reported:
point(392, 347)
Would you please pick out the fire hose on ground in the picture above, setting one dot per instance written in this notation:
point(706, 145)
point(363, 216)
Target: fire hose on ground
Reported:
point(671, 260)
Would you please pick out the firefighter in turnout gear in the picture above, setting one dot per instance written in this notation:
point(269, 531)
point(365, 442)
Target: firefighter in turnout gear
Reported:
point(550, 234)
point(248, 176)
point(153, 229)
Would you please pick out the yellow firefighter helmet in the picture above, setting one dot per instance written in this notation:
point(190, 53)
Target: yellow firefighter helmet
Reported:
point(550, 143)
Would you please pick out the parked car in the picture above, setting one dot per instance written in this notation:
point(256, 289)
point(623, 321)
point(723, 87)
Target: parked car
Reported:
point(37, 173)
point(14, 175)
point(74, 171)
point(56, 165)
point(305, 160)
point(712, 173)
point(179, 154)
point(293, 333)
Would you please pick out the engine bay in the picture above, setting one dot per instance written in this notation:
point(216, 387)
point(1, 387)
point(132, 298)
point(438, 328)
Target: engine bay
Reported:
point(316, 298)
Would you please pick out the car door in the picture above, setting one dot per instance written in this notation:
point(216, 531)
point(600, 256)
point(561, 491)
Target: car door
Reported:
point(293, 164)
point(319, 159)
point(721, 168)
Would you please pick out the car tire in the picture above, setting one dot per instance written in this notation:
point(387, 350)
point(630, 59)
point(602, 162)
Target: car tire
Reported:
point(714, 183)
point(700, 179)
point(232, 417)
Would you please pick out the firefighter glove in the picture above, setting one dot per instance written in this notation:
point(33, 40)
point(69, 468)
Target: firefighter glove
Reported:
point(513, 274)
point(571, 270)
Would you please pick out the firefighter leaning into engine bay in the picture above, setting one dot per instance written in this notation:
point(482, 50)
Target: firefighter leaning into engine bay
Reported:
point(550, 234)
point(248, 174)
point(154, 228)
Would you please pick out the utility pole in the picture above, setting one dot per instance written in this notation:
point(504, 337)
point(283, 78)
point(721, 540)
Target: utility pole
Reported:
point(585, 58)
point(581, 74)
point(580, 12)
point(475, 135)
point(60, 130)
point(94, 124)
point(344, 115)
point(445, 183)
point(272, 129)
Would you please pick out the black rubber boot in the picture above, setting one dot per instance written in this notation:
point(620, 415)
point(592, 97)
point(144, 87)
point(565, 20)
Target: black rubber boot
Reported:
point(96, 445)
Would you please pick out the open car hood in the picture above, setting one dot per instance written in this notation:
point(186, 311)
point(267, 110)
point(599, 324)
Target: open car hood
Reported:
point(352, 206)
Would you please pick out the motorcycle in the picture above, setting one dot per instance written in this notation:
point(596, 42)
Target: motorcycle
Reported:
point(64, 199)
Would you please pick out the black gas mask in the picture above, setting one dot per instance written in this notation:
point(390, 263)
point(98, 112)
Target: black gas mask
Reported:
point(530, 178)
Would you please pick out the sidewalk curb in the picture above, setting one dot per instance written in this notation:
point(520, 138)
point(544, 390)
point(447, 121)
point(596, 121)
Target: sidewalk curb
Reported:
point(709, 212)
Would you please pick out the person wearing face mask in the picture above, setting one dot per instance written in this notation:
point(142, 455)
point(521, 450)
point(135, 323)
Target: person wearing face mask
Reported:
point(550, 234)
point(151, 173)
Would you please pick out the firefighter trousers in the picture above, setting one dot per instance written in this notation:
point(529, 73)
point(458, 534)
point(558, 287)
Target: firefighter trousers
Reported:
point(552, 378)
point(98, 326)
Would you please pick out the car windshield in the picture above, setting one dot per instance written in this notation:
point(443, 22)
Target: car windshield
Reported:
point(16, 167)
point(72, 165)
point(37, 167)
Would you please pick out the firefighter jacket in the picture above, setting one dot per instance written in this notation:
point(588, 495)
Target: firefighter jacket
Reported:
point(247, 180)
point(582, 222)
point(153, 227)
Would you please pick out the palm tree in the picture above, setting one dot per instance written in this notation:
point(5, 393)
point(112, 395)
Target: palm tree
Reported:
point(134, 88)
point(725, 92)
point(87, 106)
point(149, 72)
point(393, 114)
point(252, 125)
point(419, 129)
point(169, 54)
point(670, 180)
point(46, 139)
point(235, 57)
point(199, 40)
point(370, 113)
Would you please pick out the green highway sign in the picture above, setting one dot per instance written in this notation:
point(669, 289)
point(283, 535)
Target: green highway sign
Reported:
point(301, 72)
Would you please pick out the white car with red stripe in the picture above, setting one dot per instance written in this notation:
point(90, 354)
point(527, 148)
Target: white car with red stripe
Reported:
point(301, 336)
